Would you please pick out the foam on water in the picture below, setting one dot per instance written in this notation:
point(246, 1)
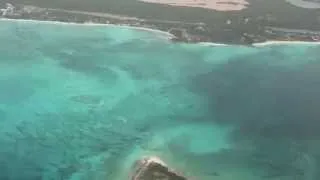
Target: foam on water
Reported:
point(85, 102)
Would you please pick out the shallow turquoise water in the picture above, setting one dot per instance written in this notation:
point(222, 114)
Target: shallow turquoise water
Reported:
point(85, 102)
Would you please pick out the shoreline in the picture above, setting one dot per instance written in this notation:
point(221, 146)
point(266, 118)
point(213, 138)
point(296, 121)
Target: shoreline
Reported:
point(155, 31)
point(165, 34)
point(246, 29)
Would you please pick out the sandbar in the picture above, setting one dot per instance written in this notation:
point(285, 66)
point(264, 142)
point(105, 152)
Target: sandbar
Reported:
point(218, 5)
point(305, 4)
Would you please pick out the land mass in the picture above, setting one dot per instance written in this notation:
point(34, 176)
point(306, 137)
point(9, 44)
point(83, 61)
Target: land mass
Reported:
point(218, 21)
point(153, 168)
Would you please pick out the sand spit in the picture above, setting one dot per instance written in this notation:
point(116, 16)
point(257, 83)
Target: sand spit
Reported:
point(285, 43)
point(218, 5)
point(308, 4)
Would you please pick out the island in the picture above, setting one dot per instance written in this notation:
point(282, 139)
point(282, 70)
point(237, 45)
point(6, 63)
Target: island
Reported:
point(153, 168)
point(191, 21)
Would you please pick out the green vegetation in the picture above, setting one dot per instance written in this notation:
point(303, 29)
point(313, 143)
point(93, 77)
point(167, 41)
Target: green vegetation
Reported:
point(279, 12)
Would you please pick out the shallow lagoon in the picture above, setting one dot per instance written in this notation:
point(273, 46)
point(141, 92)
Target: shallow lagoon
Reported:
point(85, 102)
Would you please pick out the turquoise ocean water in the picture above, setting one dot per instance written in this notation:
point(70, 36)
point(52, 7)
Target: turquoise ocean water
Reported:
point(84, 102)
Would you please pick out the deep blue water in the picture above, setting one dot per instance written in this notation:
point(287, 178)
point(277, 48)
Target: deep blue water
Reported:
point(84, 102)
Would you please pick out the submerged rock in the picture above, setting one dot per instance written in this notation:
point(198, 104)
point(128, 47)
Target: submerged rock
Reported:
point(152, 168)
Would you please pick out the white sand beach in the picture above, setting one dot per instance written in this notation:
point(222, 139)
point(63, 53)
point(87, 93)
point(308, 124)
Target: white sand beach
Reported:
point(267, 43)
point(165, 34)
point(305, 4)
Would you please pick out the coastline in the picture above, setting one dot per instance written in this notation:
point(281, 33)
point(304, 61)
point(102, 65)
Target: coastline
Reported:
point(167, 35)
point(156, 31)
point(232, 28)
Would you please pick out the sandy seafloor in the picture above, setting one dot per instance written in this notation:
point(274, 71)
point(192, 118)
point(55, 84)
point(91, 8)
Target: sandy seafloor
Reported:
point(84, 102)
